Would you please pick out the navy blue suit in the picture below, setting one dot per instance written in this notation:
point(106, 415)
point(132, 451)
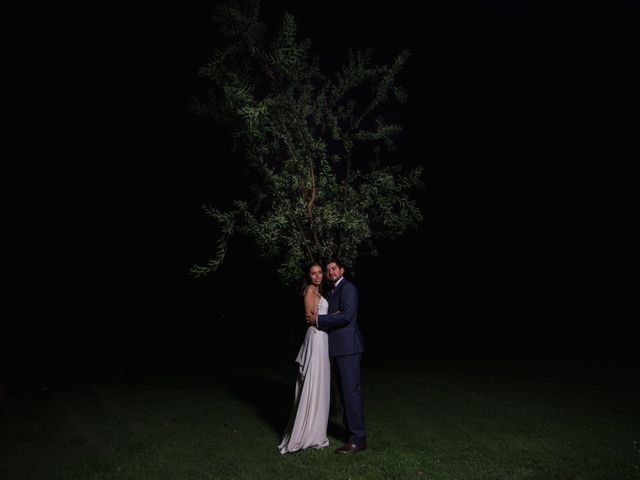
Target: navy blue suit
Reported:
point(346, 347)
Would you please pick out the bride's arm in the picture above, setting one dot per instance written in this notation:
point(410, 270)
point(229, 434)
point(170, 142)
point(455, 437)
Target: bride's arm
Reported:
point(310, 303)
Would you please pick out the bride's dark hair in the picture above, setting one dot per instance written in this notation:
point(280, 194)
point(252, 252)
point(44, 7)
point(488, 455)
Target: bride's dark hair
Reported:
point(306, 281)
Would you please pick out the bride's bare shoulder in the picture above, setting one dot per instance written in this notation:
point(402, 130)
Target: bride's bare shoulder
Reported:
point(311, 292)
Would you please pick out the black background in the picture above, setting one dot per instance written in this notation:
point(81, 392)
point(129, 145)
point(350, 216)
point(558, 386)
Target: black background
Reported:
point(523, 119)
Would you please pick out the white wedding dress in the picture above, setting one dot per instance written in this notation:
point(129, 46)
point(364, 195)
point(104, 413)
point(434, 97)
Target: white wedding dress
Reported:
point(307, 426)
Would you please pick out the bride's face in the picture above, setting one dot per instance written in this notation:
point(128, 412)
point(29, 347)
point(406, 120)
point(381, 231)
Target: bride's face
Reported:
point(315, 275)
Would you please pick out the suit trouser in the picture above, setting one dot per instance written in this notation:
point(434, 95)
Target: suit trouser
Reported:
point(348, 367)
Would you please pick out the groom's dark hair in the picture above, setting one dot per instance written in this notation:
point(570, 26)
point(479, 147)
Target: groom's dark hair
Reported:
point(339, 263)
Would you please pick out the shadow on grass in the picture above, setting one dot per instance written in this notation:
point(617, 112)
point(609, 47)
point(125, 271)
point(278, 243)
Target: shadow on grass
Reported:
point(336, 430)
point(269, 389)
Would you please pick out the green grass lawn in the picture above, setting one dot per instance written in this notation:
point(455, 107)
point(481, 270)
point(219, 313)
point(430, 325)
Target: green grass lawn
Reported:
point(425, 420)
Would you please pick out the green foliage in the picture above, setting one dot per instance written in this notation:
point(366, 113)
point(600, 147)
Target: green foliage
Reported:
point(298, 129)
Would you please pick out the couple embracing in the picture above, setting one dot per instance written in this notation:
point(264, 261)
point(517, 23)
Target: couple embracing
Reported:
point(333, 331)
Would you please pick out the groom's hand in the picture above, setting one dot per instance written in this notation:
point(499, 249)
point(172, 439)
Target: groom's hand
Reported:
point(311, 320)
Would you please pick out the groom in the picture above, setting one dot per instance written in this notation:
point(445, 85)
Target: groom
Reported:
point(346, 347)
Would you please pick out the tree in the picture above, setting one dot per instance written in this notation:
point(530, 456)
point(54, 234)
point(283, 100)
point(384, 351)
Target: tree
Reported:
point(316, 142)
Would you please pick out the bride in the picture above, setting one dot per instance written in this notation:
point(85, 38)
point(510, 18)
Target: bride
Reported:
point(307, 427)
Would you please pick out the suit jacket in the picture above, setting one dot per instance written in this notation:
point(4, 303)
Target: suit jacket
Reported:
point(344, 335)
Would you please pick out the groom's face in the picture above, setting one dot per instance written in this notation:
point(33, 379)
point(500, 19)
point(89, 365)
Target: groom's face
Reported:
point(334, 272)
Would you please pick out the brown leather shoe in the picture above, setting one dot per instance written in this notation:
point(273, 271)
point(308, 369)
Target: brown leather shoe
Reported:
point(351, 448)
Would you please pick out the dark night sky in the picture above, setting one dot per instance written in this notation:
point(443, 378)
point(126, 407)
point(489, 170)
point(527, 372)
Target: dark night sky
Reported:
point(519, 117)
